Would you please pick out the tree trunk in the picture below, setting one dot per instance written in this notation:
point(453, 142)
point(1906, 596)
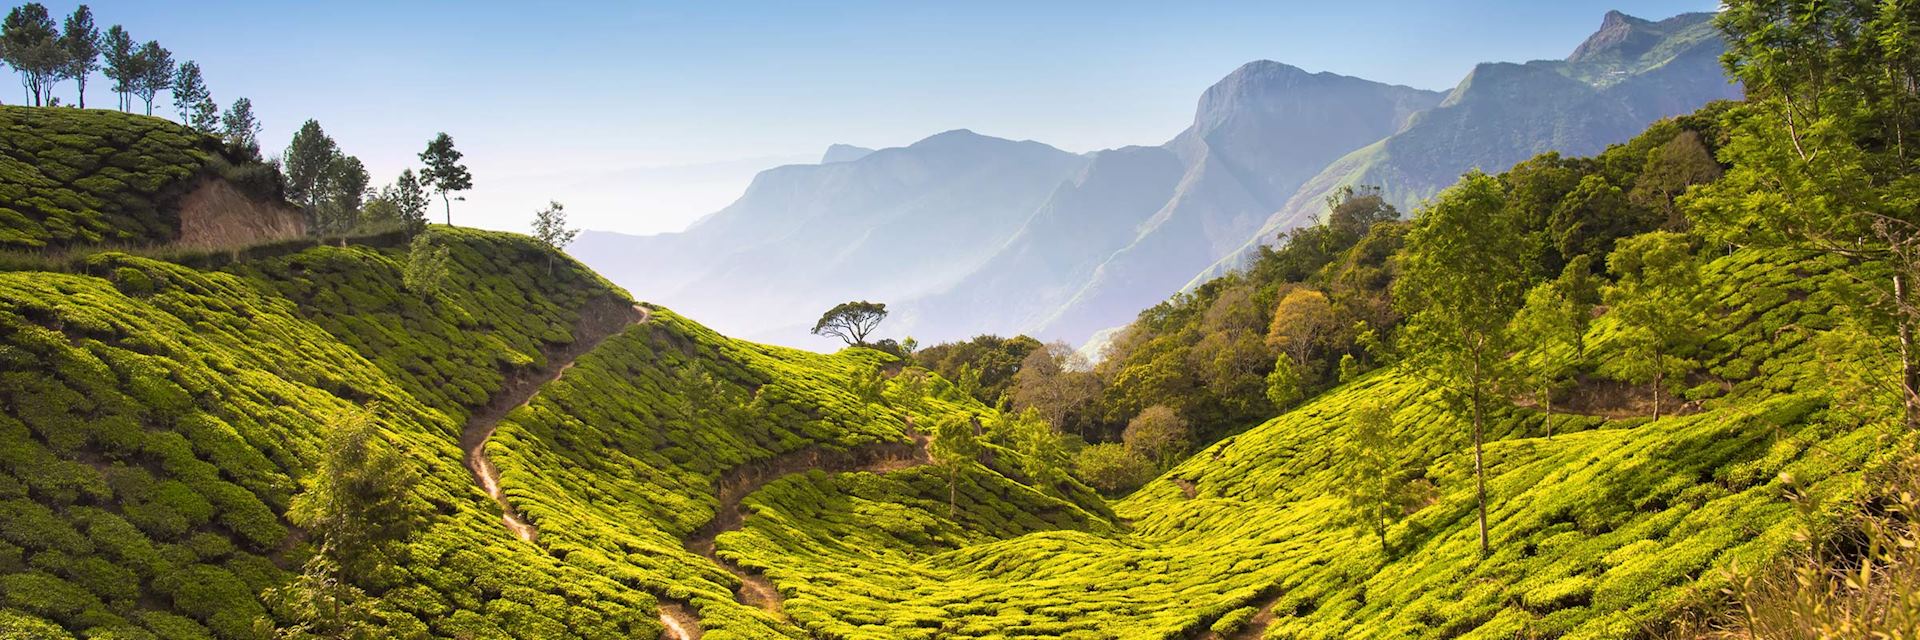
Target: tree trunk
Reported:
point(1479, 468)
point(1658, 377)
point(82, 80)
point(1546, 400)
point(1909, 372)
point(449, 204)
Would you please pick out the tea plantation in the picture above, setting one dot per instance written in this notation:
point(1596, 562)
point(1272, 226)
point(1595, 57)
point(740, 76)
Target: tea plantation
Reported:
point(160, 419)
point(73, 177)
point(1604, 530)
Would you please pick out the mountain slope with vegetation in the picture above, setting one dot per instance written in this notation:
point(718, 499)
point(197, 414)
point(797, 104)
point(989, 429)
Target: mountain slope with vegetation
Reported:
point(1091, 242)
point(1624, 77)
point(1663, 391)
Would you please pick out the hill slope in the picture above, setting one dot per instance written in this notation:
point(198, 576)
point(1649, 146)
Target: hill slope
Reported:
point(73, 177)
point(635, 473)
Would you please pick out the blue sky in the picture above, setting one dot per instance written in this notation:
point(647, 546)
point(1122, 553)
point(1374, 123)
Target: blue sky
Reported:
point(642, 116)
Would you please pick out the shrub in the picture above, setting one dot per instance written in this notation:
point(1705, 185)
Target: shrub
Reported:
point(1111, 468)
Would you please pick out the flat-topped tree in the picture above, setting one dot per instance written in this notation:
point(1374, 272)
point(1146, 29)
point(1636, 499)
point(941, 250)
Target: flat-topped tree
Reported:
point(851, 322)
point(444, 171)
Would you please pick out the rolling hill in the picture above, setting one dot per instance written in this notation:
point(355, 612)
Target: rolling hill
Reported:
point(589, 466)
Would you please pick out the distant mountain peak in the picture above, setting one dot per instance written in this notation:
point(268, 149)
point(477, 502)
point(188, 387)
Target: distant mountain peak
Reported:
point(1624, 37)
point(843, 153)
point(965, 139)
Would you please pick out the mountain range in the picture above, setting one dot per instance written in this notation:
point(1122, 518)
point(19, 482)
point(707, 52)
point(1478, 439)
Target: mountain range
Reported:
point(962, 233)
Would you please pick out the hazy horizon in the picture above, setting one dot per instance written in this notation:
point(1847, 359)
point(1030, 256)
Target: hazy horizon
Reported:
point(671, 110)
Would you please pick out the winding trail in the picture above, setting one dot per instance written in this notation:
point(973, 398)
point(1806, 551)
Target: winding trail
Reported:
point(599, 320)
point(1256, 627)
point(737, 483)
point(602, 319)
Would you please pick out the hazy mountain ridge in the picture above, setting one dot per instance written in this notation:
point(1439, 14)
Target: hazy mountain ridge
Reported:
point(924, 215)
point(1627, 75)
point(1071, 244)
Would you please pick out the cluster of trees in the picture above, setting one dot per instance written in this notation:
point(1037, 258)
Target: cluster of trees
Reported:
point(46, 53)
point(334, 190)
point(1489, 290)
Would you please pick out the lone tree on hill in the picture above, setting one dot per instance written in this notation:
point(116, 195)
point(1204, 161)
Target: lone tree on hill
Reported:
point(550, 227)
point(444, 172)
point(851, 322)
point(356, 506)
point(1460, 282)
point(81, 44)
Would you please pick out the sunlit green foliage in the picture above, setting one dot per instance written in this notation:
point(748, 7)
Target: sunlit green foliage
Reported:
point(160, 419)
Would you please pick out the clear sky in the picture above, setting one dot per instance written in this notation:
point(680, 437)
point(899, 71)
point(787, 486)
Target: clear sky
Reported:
point(643, 116)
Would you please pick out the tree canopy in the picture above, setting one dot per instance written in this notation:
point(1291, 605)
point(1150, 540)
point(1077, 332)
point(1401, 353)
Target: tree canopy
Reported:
point(851, 322)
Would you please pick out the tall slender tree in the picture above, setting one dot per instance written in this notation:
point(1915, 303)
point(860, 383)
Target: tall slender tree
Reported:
point(153, 67)
point(189, 90)
point(345, 190)
point(240, 129)
point(409, 196)
point(33, 48)
point(550, 227)
point(81, 43)
point(955, 446)
point(1460, 282)
point(118, 50)
point(1550, 328)
point(306, 161)
point(444, 171)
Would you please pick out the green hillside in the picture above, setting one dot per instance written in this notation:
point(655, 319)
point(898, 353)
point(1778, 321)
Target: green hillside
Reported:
point(160, 418)
point(1665, 391)
point(73, 177)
